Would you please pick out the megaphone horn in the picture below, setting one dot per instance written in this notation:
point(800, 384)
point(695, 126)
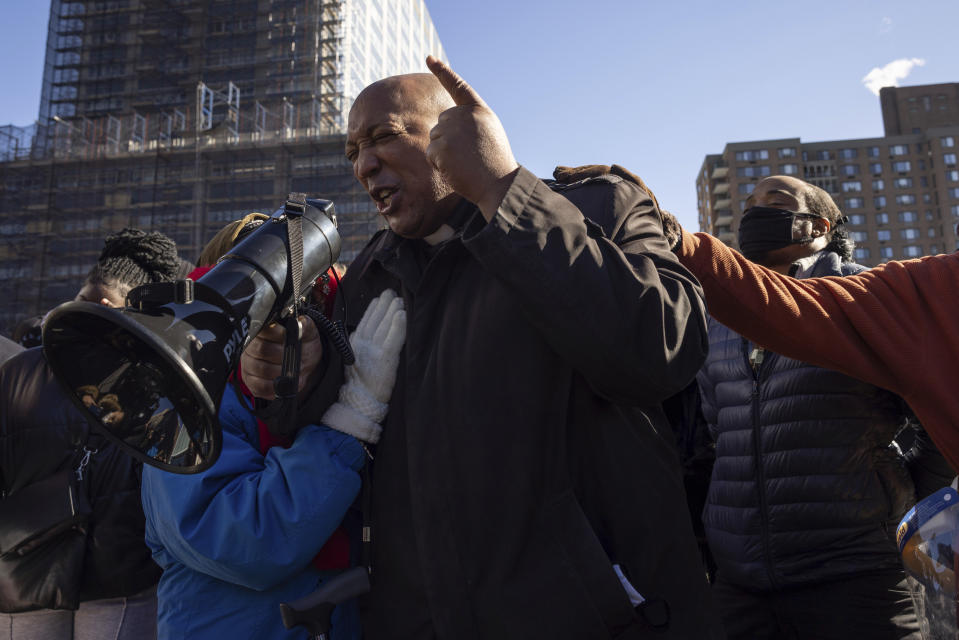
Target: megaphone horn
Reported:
point(151, 376)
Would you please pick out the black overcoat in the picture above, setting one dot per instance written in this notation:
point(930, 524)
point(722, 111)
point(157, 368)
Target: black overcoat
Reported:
point(525, 452)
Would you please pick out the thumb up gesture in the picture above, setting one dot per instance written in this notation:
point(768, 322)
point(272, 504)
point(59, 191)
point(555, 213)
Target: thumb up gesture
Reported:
point(469, 146)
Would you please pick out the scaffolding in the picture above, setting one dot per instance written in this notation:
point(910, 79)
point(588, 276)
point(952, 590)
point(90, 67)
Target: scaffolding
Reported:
point(174, 115)
point(16, 143)
point(178, 116)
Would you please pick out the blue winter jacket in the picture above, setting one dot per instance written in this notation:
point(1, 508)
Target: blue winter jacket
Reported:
point(236, 540)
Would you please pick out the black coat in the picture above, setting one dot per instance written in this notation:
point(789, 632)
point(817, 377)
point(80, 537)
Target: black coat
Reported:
point(525, 452)
point(806, 486)
point(41, 432)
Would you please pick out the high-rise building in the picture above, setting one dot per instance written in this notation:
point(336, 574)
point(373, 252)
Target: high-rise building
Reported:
point(900, 192)
point(181, 115)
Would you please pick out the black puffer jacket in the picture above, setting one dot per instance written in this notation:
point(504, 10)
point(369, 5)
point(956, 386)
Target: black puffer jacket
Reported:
point(805, 487)
point(41, 432)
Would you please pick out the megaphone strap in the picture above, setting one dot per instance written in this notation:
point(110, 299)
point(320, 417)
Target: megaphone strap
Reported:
point(294, 209)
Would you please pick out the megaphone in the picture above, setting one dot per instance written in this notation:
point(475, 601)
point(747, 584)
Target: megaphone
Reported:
point(151, 376)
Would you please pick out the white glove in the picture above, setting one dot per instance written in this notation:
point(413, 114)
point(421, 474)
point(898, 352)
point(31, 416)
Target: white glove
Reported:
point(376, 343)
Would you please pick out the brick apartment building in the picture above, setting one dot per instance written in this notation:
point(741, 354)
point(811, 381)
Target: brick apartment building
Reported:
point(900, 192)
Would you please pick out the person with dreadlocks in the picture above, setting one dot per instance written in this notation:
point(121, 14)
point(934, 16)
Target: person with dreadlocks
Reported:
point(806, 489)
point(102, 583)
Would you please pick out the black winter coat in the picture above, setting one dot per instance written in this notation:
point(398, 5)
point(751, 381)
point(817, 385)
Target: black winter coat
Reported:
point(525, 451)
point(41, 432)
point(806, 487)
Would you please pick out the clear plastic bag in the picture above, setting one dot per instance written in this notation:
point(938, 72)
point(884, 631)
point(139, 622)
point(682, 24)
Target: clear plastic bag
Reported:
point(928, 539)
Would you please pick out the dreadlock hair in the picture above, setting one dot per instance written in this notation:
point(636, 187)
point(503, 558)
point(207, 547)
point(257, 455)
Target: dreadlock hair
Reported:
point(133, 257)
point(819, 202)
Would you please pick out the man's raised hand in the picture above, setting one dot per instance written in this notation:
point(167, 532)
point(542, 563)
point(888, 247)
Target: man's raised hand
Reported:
point(469, 146)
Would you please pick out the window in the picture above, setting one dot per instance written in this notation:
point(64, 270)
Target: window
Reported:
point(909, 234)
point(947, 141)
point(852, 185)
point(954, 192)
point(949, 159)
point(882, 218)
point(789, 169)
point(908, 216)
point(861, 254)
point(872, 152)
point(824, 154)
point(884, 234)
point(859, 236)
point(952, 176)
point(787, 152)
point(903, 166)
point(933, 249)
point(850, 169)
point(931, 232)
point(752, 155)
point(906, 198)
point(746, 188)
point(879, 202)
point(878, 185)
point(757, 171)
point(912, 251)
point(854, 203)
point(857, 218)
point(928, 214)
point(885, 252)
point(899, 149)
point(954, 209)
point(926, 198)
point(875, 168)
point(902, 183)
point(848, 154)
point(923, 181)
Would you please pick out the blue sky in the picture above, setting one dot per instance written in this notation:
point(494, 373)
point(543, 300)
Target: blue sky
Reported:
point(654, 86)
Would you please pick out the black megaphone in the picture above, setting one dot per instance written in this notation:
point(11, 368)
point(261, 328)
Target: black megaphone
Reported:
point(151, 376)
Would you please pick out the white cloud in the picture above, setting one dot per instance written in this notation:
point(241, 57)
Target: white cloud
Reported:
point(891, 74)
point(885, 25)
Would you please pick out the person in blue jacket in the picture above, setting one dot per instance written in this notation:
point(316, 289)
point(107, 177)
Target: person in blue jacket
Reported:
point(240, 538)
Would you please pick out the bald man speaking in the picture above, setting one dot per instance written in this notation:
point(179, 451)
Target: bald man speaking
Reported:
point(525, 485)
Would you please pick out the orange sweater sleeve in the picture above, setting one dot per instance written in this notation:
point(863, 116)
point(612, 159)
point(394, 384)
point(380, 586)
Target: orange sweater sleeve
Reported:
point(865, 326)
point(896, 326)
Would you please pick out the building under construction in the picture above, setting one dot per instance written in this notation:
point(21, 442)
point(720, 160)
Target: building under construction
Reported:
point(180, 116)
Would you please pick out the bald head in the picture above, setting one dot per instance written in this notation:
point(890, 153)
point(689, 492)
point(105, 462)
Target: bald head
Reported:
point(419, 93)
point(387, 137)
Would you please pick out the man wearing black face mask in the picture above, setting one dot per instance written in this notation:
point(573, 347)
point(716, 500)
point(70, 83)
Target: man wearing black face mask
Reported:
point(806, 490)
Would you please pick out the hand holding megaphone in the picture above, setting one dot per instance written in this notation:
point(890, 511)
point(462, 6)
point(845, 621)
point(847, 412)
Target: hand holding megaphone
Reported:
point(262, 361)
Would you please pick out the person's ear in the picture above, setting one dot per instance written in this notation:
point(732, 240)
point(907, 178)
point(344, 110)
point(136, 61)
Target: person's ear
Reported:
point(820, 227)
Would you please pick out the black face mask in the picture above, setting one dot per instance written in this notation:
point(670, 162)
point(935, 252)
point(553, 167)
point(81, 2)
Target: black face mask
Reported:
point(765, 229)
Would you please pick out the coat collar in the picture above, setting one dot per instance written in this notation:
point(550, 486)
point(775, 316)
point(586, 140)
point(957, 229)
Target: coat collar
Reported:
point(824, 263)
point(398, 255)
